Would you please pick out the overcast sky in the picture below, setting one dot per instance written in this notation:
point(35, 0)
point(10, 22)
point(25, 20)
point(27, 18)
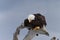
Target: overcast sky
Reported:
point(13, 13)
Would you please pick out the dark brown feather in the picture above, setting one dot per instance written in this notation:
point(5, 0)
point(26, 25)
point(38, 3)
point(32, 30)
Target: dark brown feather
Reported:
point(39, 21)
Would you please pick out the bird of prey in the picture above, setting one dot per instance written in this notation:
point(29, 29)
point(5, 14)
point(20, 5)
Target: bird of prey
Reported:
point(36, 24)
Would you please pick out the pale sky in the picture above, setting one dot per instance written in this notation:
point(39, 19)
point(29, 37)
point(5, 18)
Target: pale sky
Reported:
point(13, 13)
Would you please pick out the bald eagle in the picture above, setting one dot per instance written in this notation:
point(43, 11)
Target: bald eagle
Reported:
point(34, 20)
point(36, 24)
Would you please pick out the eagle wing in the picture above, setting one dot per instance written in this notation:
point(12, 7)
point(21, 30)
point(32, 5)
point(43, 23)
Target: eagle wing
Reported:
point(42, 19)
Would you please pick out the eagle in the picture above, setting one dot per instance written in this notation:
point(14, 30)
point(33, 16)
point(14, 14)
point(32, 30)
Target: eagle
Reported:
point(36, 24)
point(34, 20)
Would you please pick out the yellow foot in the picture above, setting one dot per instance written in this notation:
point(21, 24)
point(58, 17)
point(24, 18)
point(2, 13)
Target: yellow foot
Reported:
point(36, 28)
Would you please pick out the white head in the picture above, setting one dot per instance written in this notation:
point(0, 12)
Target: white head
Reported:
point(31, 17)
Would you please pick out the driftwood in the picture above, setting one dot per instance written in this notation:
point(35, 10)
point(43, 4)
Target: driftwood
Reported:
point(15, 35)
